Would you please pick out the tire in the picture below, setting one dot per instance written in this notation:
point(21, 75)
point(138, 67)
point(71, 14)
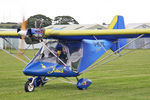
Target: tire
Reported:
point(28, 87)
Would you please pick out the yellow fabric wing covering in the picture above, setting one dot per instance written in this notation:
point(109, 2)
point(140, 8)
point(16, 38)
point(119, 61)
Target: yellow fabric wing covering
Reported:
point(9, 33)
point(50, 32)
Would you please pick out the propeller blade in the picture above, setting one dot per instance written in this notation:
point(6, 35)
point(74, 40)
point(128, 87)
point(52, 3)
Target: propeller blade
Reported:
point(23, 25)
point(21, 47)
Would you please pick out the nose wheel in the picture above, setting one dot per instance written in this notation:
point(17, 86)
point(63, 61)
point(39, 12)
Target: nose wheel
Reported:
point(32, 83)
point(29, 86)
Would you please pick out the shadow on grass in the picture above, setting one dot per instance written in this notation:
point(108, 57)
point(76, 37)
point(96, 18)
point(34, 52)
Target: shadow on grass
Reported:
point(59, 86)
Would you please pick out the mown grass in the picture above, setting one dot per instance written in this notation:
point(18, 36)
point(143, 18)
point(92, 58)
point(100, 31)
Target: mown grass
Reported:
point(127, 78)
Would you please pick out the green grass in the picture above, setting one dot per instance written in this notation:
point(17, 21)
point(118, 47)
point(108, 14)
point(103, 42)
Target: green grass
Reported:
point(127, 78)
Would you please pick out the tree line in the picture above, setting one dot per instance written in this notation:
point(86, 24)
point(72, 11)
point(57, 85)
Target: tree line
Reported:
point(40, 21)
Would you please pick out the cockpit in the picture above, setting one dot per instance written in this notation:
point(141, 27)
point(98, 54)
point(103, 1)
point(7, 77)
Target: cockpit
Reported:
point(67, 53)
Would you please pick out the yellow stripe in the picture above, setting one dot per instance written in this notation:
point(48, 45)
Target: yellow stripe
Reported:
point(49, 32)
point(8, 33)
point(113, 23)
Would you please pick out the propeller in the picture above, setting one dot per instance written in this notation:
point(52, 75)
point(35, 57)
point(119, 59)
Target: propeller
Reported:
point(33, 35)
point(30, 36)
point(23, 30)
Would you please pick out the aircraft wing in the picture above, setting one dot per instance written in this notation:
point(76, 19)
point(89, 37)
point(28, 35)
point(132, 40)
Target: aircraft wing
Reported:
point(116, 27)
point(4, 33)
point(111, 32)
point(50, 32)
point(14, 33)
point(115, 31)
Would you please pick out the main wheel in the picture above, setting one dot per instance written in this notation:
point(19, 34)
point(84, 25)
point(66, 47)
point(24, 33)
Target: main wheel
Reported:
point(29, 87)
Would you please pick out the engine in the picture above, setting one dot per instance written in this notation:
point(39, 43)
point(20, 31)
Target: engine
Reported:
point(34, 36)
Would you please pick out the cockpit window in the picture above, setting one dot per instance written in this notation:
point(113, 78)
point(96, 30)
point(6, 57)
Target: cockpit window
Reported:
point(62, 53)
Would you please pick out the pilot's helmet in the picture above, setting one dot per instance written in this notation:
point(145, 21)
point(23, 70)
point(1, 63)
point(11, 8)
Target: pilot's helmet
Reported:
point(59, 47)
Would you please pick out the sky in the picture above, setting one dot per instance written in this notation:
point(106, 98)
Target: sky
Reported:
point(84, 11)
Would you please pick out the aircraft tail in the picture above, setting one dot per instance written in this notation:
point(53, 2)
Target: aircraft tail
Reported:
point(117, 23)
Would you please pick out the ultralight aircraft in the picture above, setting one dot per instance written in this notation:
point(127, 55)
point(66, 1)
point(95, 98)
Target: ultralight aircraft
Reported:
point(71, 53)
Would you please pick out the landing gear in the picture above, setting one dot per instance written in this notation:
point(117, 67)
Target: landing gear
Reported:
point(83, 83)
point(34, 82)
point(29, 86)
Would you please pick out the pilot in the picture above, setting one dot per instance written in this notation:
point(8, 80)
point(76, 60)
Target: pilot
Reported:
point(61, 53)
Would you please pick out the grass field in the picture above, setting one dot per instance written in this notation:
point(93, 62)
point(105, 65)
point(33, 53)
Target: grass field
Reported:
point(127, 78)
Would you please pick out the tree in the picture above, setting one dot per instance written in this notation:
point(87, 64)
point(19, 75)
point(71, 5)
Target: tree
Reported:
point(38, 19)
point(64, 20)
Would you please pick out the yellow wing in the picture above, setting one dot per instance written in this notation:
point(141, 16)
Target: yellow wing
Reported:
point(9, 33)
point(109, 31)
point(49, 32)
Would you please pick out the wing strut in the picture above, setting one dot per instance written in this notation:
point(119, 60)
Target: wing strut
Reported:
point(16, 49)
point(14, 56)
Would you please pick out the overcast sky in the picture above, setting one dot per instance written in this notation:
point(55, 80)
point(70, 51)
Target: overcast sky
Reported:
point(84, 11)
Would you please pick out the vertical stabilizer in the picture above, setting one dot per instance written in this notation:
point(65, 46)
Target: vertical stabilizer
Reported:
point(117, 23)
